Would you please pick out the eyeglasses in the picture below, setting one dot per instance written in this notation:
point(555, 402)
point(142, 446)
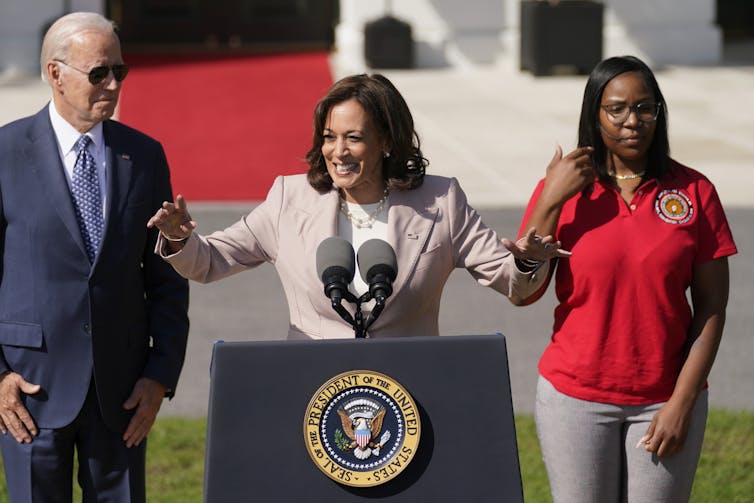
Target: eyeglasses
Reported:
point(100, 73)
point(618, 113)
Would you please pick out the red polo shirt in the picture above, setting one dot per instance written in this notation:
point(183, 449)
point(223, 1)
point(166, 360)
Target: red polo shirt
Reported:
point(622, 318)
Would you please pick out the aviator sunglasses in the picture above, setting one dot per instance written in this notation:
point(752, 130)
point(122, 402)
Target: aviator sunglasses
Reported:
point(100, 73)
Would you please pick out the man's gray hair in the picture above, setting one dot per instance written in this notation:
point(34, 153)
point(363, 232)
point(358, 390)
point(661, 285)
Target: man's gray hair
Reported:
point(58, 38)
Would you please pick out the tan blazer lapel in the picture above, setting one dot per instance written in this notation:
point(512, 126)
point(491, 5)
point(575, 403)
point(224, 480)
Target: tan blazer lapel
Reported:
point(408, 232)
point(317, 225)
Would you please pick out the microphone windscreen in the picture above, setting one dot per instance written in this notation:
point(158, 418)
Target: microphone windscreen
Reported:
point(377, 256)
point(335, 252)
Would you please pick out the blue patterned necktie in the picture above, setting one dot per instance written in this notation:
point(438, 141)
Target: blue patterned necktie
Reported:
point(87, 201)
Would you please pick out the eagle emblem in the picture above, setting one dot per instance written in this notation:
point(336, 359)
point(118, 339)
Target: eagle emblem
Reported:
point(362, 428)
point(361, 420)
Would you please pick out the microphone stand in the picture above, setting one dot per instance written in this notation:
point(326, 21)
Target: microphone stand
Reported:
point(359, 327)
point(357, 321)
point(336, 300)
point(379, 305)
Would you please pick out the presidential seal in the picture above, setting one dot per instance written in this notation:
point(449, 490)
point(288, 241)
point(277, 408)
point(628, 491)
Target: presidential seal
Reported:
point(674, 207)
point(361, 428)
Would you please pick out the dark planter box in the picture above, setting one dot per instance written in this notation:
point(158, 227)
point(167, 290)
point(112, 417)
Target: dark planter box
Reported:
point(736, 18)
point(388, 43)
point(557, 36)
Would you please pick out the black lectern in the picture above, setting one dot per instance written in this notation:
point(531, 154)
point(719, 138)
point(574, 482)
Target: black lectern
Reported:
point(260, 391)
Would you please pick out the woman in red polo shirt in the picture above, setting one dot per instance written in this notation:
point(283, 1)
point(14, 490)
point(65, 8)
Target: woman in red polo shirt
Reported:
point(621, 400)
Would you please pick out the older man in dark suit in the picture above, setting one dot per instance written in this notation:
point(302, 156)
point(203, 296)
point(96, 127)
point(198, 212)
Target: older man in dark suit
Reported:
point(93, 325)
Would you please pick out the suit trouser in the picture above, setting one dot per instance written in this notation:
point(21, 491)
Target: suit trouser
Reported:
point(42, 471)
point(590, 451)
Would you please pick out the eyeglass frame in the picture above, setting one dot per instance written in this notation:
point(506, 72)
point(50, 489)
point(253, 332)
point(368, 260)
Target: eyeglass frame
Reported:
point(631, 108)
point(93, 79)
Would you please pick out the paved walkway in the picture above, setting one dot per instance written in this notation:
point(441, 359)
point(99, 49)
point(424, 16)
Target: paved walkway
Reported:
point(495, 129)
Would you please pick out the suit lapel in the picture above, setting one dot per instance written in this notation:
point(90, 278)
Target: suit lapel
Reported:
point(44, 158)
point(119, 170)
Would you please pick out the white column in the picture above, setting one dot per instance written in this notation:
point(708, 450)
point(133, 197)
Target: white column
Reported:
point(445, 32)
point(679, 32)
point(472, 30)
point(451, 32)
point(348, 57)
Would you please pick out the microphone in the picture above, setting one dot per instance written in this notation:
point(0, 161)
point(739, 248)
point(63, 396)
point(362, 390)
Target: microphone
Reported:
point(335, 267)
point(378, 267)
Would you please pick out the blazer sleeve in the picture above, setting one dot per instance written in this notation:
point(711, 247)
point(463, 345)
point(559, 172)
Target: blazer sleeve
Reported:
point(167, 298)
point(478, 249)
point(248, 243)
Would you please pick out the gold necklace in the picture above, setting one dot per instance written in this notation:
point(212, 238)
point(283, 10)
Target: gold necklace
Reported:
point(367, 221)
point(627, 177)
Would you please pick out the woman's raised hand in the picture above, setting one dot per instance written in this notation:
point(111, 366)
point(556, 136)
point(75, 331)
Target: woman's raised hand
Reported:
point(533, 247)
point(567, 175)
point(173, 220)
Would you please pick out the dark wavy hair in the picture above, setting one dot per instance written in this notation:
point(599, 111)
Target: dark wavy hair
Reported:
point(589, 131)
point(406, 166)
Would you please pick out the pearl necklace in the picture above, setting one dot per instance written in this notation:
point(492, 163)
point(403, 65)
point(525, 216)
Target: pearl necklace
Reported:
point(627, 177)
point(367, 221)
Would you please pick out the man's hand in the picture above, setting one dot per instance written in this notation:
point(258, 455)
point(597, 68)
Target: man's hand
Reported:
point(146, 397)
point(13, 415)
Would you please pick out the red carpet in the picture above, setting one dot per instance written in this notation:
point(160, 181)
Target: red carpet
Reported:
point(229, 125)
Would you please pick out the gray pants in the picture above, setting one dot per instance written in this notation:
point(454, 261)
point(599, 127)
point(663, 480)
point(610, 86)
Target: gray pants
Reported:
point(590, 453)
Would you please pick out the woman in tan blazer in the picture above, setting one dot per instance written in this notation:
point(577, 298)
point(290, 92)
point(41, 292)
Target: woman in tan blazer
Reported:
point(366, 180)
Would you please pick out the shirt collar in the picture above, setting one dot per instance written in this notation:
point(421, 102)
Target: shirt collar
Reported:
point(67, 134)
point(603, 186)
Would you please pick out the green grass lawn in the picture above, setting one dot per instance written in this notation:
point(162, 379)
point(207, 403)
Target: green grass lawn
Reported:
point(175, 461)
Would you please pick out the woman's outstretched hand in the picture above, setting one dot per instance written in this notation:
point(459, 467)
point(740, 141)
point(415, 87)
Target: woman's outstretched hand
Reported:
point(173, 220)
point(537, 248)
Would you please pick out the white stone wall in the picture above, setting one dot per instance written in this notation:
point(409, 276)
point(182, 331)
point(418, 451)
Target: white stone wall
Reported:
point(663, 32)
point(469, 32)
point(445, 32)
point(22, 23)
point(455, 33)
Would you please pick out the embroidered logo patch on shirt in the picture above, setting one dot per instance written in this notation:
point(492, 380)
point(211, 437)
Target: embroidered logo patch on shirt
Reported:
point(674, 207)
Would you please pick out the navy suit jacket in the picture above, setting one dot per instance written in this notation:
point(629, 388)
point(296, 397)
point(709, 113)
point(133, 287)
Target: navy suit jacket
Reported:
point(63, 319)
